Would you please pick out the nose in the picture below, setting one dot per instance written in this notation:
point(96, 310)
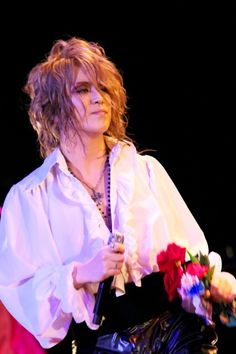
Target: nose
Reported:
point(96, 96)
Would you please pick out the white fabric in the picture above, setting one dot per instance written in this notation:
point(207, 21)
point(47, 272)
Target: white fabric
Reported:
point(49, 222)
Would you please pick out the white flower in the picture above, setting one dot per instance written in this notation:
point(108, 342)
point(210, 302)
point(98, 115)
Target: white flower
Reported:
point(188, 281)
point(215, 261)
point(223, 286)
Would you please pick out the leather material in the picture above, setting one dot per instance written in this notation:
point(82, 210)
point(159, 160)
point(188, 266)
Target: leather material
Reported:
point(170, 333)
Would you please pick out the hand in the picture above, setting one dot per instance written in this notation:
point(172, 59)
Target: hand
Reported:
point(107, 262)
point(223, 287)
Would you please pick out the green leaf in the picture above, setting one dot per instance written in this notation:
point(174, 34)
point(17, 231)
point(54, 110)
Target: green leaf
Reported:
point(193, 259)
point(204, 260)
point(210, 273)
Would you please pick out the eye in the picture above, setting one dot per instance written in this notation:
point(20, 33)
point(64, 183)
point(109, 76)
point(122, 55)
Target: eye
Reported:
point(103, 88)
point(82, 90)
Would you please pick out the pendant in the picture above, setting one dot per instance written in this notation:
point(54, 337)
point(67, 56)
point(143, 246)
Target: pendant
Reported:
point(97, 197)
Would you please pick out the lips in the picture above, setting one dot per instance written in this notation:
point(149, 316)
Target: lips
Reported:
point(101, 111)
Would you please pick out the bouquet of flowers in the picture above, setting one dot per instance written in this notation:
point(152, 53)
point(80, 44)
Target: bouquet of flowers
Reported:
point(198, 280)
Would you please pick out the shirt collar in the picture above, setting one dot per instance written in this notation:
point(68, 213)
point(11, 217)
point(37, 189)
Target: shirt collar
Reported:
point(56, 157)
point(39, 175)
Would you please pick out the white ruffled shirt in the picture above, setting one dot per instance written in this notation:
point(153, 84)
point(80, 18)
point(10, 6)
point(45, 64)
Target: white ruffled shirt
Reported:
point(49, 222)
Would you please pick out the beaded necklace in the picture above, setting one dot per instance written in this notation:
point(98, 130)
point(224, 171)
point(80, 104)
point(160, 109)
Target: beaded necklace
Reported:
point(107, 216)
point(96, 196)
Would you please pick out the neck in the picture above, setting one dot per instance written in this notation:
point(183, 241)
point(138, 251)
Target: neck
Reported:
point(86, 162)
point(88, 151)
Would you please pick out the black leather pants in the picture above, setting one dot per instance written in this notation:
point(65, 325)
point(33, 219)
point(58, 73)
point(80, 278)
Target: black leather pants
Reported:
point(143, 322)
point(168, 329)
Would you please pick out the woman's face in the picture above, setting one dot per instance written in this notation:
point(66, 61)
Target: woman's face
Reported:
point(93, 104)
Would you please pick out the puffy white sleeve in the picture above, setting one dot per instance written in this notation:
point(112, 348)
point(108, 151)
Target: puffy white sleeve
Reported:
point(179, 224)
point(35, 285)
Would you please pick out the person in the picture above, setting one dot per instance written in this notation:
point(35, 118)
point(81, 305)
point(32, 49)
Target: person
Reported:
point(93, 184)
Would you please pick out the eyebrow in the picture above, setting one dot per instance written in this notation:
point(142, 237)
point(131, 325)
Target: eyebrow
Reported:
point(82, 83)
point(78, 84)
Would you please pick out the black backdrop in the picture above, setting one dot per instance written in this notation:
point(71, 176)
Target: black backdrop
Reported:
point(178, 65)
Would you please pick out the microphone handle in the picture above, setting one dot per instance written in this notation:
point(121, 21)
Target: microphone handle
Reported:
point(101, 297)
point(104, 286)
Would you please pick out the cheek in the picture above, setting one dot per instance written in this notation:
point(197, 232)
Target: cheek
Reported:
point(108, 100)
point(80, 105)
point(108, 103)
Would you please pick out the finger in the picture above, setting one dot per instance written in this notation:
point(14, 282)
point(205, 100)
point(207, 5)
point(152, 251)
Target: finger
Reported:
point(118, 265)
point(118, 247)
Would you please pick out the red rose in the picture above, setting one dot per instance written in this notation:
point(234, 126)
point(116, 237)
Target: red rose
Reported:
point(172, 280)
point(172, 257)
point(170, 262)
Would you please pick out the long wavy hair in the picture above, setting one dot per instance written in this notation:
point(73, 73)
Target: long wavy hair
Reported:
point(49, 83)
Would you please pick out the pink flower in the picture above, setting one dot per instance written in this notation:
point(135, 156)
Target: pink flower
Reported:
point(197, 269)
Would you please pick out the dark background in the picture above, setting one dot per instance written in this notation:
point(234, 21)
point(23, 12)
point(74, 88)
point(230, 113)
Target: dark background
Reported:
point(178, 63)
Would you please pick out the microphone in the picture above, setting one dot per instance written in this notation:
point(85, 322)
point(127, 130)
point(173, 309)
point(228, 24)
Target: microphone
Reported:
point(104, 286)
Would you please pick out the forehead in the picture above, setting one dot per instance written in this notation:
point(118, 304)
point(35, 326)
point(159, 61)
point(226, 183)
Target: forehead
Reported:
point(82, 76)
